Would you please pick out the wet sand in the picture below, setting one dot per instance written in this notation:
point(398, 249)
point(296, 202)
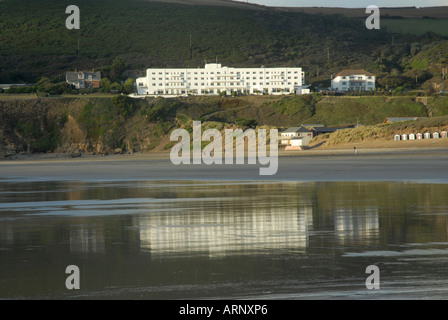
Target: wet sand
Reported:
point(428, 165)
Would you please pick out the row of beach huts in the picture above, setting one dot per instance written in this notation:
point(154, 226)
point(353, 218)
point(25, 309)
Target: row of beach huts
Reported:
point(420, 136)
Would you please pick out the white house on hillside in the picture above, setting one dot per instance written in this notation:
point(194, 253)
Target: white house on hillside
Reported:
point(354, 80)
point(215, 79)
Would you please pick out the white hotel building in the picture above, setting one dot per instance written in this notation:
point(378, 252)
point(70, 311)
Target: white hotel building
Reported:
point(214, 79)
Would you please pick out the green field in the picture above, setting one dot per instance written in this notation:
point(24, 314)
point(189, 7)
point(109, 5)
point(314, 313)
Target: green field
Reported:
point(416, 26)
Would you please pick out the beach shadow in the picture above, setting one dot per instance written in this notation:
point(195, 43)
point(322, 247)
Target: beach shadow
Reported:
point(317, 145)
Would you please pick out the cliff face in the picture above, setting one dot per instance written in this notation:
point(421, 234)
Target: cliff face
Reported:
point(116, 124)
point(61, 125)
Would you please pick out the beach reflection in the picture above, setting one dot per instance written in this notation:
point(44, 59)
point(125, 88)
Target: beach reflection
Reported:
point(226, 231)
point(281, 233)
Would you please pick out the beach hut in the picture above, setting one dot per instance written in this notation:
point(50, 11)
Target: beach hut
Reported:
point(397, 137)
point(419, 136)
point(444, 134)
point(435, 135)
point(427, 135)
point(412, 136)
point(404, 137)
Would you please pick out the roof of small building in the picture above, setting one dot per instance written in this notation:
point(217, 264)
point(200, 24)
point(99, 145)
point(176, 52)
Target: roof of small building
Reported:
point(296, 129)
point(292, 129)
point(354, 72)
point(400, 119)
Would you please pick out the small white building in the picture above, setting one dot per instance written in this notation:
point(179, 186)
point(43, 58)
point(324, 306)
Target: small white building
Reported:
point(354, 80)
point(287, 136)
point(215, 79)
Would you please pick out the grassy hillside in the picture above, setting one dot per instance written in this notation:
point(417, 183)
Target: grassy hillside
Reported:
point(416, 26)
point(105, 123)
point(386, 12)
point(382, 132)
point(35, 42)
point(330, 111)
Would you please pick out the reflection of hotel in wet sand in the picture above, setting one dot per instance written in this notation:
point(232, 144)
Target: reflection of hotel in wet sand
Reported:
point(356, 224)
point(217, 233)
point(225, 228)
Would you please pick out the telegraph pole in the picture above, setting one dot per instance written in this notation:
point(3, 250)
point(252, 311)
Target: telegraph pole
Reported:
point(191, 49)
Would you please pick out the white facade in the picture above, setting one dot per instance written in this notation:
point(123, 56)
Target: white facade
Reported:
point(354, 80)
point(215, 79)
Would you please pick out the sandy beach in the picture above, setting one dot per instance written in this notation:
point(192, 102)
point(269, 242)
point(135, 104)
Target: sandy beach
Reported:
point(338, 164)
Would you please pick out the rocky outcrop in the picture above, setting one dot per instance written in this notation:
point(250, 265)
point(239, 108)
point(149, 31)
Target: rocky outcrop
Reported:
point(41, 125)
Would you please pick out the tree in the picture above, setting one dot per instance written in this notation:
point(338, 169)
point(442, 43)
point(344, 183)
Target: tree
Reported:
point(128, 86)
point(117, 68)
point(105, 84)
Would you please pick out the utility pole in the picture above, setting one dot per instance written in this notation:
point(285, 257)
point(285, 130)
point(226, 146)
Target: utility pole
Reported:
point(191, 49)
